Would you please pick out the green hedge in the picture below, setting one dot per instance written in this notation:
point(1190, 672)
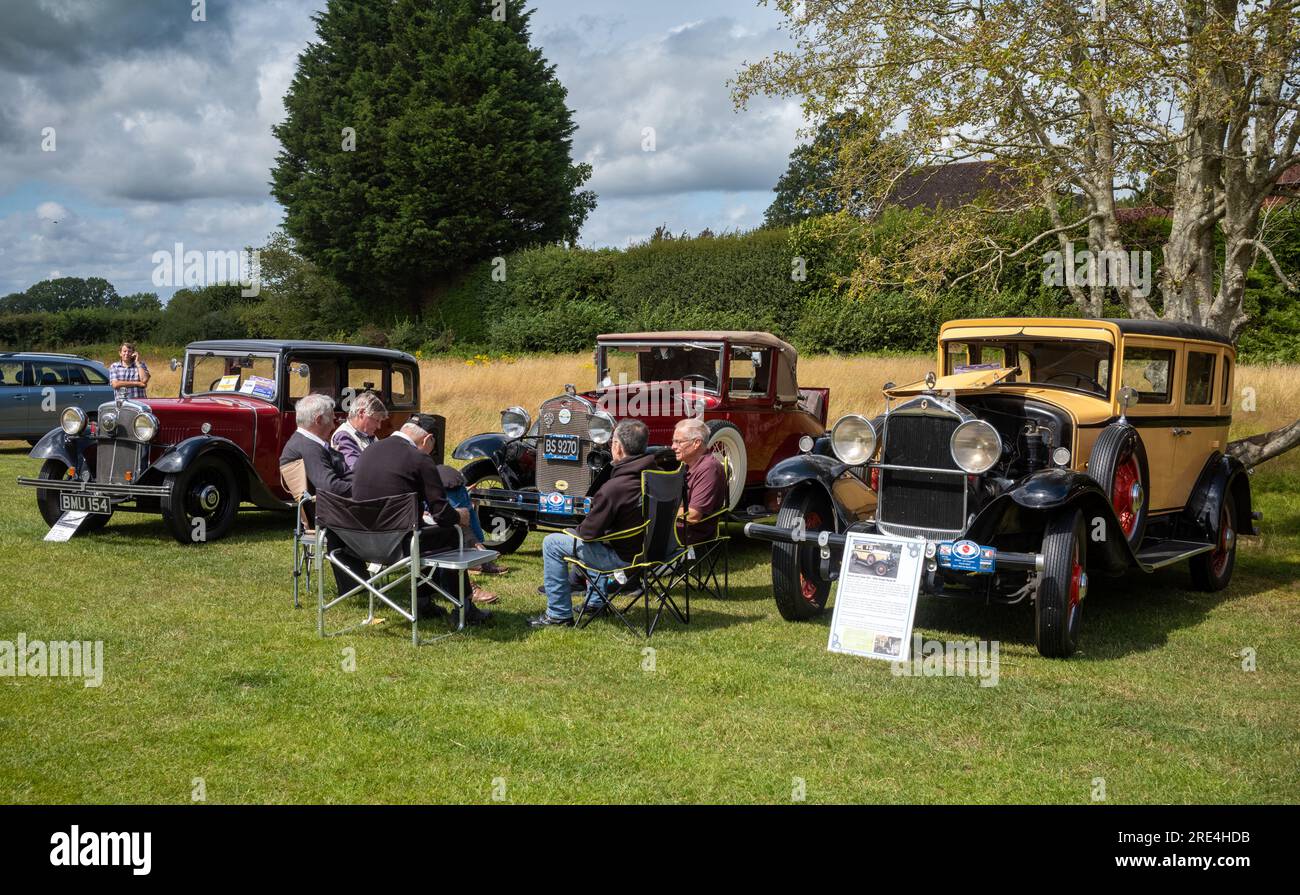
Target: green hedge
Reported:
point(52, 331)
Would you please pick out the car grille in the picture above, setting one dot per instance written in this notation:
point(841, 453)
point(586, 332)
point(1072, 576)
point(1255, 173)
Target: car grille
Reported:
point(920, 503)
point(550, 472)
point(114, 459)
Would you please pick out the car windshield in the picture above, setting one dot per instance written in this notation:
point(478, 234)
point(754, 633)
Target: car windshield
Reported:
point(231, 374)
point(1076, 364)
point(698, 365)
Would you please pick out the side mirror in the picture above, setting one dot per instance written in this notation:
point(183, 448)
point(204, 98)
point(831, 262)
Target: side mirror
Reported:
point(175, 365)
point(303, 370)
point(1128, 397)
point(888, 386)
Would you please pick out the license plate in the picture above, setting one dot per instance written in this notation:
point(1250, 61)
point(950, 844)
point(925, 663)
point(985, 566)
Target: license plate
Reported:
point(967, 556)
point(84, 503)
point(560, 447)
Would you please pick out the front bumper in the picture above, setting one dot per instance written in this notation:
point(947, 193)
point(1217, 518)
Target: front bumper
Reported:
point(832, 544)
point(116, 493)
point(533, 507)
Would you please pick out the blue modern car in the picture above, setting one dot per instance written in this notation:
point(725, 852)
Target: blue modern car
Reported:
point(35, 388)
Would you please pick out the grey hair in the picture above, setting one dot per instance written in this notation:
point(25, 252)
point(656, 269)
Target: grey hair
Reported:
point(311, 408)
point(694, 427)
point(367, 404)
point(633, 435)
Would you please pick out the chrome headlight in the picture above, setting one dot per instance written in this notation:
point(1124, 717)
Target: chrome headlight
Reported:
point(601, 428)
point(853, 439)
point(72, 421)
point(144, 427)
point(976, 446)
point(107, 421)
point(515, 422)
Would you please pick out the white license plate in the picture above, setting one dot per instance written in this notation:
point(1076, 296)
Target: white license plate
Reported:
point(84, 503)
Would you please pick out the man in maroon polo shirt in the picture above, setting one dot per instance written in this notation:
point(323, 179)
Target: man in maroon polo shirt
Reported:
point(706, 483)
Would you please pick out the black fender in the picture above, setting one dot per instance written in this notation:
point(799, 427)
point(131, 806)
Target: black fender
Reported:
point(183, 455)
point(488, 445)
point(55, 445)
point(813, 471)
point(1027, 507)
point(1221, 476)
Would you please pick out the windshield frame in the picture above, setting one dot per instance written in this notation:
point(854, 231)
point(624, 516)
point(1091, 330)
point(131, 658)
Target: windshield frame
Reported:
point(192, 357)
point(601, 363)
point(1001, 342)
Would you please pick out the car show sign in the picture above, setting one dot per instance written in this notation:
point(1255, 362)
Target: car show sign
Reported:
point(66, 527)
point(875, 605)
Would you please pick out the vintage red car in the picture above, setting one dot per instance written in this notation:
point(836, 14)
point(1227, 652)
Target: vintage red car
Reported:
point(539, 472)
point(195, 458)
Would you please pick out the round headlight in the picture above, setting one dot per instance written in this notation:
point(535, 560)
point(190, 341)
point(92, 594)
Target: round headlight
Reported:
point(145, 427)
point(976, 446)
point(853, 439)
point(72, 420)
point(515, 422)
point(601, 428)
point(108, 421)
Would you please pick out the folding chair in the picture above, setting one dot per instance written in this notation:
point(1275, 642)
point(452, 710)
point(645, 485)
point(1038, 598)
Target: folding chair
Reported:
point(379, 531)
point(698, 565)
point(652, 567)
point(306, 539)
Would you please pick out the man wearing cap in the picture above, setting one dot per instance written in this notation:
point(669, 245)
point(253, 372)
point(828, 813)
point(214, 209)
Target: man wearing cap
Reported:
point(403, 464)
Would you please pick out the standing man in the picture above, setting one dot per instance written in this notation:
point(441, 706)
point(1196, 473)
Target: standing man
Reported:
point(403, 464)
point(706, 483)
point(616, 507)
point(129, 372)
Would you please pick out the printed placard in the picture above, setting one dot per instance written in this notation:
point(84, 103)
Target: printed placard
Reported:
point(66, 527)
point(875, 604)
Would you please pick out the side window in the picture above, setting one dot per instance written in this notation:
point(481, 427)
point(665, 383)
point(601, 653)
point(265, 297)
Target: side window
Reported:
point(958, 356)
point(365, 376)
point(1151, 372)
point(751, 371)
point(11, 374)
point(50, 374)
point(93, 376)
point(403, 391)
point(322, 378)
point(1227, 381)
point(1200, 378)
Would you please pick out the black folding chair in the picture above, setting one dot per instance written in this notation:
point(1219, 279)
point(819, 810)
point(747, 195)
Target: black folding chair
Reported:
point(698, 565)
point(379, 532)
point(652, 567)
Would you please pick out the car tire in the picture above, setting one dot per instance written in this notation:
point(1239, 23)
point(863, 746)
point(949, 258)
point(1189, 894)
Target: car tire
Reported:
point(881, 570)
point(499, 533)
point(48, 501)
point(1213, 571)
point(800, 591)
point(1062, 586)
point(1118, 463)
point(207, 490)
point(725, 439)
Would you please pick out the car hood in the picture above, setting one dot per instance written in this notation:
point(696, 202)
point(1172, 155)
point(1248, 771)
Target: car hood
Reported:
point(971, 380)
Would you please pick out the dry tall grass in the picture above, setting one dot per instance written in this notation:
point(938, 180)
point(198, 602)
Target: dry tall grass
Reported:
point(472, 395)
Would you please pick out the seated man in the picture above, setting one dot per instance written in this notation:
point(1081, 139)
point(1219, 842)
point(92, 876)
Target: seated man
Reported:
point(615, 507)
point(358, 433)
point(706, 483)
point(402, 465)
point(324, 466)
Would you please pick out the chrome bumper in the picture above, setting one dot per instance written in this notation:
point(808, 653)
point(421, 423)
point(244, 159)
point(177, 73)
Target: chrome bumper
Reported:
point(97, 488)
point(829, 540)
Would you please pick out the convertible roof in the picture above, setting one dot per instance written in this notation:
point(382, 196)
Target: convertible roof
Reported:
point(787, 382)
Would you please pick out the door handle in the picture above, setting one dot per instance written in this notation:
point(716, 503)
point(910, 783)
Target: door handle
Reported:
point(1179, 431)
point(20, 397)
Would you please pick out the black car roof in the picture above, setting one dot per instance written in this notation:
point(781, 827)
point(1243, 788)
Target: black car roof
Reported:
point(279, 345)
point(1168, 328)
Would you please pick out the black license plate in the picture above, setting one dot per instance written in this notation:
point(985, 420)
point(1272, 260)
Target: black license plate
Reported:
point(560, 447)
point(84, 503)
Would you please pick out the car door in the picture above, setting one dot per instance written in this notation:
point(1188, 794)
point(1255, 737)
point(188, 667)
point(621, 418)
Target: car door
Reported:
point(1202, 428)
point(1152, 367)
point(13, 399)
point(49, 395)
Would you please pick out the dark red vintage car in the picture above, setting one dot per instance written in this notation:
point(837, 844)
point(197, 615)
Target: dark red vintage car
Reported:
point(195, 458)
point(539, 473)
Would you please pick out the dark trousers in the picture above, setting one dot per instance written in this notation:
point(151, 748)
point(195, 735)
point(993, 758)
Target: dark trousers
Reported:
point(341, 579)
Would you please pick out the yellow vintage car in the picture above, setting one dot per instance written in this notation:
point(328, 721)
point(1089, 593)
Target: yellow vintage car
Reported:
point(1047, 448)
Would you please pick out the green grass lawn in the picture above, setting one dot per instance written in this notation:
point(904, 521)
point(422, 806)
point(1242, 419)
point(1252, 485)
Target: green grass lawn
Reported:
point(209, 672)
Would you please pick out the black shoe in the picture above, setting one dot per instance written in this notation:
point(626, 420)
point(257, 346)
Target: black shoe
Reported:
point(545, 620)
point(476, 616)
point(428, 609)
point(595, 609)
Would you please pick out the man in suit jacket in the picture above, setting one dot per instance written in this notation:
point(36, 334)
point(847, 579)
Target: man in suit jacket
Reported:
point(325, 468)
point(403, 464)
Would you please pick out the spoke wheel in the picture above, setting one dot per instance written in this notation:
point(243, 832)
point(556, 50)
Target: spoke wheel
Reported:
point(500, 533)
point(797, 585)
point(1213, 571)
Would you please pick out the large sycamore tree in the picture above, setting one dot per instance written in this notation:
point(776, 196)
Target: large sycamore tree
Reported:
point(1086, 102)
point(423, 136)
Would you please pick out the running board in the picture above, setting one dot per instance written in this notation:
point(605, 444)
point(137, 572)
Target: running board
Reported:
point(1166, 553)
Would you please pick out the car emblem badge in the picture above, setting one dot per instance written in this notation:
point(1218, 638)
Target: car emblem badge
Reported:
point(565, 416)
point(548, 420)
point(966, 549)
point(561, 485)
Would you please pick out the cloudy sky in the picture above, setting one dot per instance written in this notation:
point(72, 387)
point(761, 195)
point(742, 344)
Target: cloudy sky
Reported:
point(161, 126)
